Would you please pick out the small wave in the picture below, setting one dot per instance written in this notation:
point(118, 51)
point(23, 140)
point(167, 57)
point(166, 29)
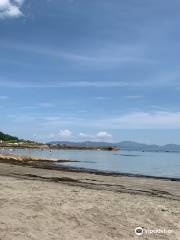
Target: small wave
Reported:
point(128, 155)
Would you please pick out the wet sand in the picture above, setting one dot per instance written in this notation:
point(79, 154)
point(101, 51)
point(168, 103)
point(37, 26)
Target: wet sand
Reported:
point(39, 203)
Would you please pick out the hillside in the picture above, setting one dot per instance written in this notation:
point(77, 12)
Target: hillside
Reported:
point(126, 145)
point(8, 138)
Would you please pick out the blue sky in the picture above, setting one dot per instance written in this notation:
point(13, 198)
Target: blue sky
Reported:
point(90, 70)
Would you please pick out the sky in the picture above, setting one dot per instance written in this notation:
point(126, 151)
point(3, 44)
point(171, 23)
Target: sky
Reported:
point(94, 70)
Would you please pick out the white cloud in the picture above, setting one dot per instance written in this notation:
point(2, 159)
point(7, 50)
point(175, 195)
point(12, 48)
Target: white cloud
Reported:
point(103, 135)
point(98, 136)
point(66, 133)
point(84, 135)
point(10, 8)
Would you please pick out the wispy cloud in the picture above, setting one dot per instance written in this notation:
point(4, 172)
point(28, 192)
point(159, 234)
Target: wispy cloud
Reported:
point(43, 105)
point(106, 56)
point(84, 84)
point(130, 120)
point(143, 120)
point(61, 84)
point(46, 105)
point(11, 8)
point(4, 97)
point(100, 98)
point(134, 97)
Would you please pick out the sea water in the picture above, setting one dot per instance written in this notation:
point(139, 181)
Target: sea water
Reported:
point(163, 164)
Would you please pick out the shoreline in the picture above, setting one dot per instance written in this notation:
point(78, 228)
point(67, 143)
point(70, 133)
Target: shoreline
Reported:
point(33, 169)
point(55, 164)
point(110, 173)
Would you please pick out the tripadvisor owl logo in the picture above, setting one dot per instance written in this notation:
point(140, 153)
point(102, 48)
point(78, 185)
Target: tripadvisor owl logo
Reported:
point(139, 231)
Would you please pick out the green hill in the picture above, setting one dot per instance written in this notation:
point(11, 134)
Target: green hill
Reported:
point(8, 138)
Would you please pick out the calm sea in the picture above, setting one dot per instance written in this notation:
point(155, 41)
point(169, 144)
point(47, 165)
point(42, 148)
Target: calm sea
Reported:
point(166, 164)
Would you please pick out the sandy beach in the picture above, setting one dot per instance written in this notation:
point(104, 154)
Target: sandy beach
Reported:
point(37, 203)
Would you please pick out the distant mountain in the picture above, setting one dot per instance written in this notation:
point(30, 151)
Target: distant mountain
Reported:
point(85, 143)
point(7, 137)
point(171, 147)
point(147, 147)
point(126, 145)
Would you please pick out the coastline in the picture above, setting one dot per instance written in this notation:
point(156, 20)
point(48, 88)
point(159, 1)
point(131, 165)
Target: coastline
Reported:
point(57, 147)
point(69, 204)
point(55, 164)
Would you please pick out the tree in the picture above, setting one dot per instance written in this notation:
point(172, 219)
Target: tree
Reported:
point(8, 138)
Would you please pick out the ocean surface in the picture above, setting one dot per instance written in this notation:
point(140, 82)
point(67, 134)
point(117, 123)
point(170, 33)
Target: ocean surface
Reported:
point(164, 164)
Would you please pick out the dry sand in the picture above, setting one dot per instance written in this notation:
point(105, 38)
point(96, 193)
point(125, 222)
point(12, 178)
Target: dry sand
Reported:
point(61, 205)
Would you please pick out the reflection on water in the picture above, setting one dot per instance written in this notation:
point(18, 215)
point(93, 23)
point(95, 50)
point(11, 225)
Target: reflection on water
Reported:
point(148, 163)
